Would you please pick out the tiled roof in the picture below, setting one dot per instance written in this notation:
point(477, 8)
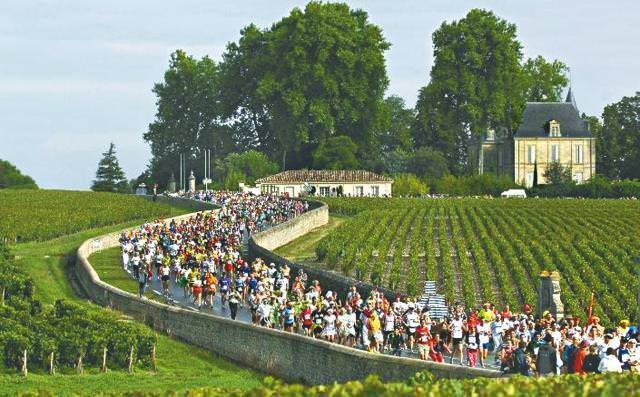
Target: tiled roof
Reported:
point(311, 176)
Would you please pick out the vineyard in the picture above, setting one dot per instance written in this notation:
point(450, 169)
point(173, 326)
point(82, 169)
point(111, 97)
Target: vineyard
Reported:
point(64, 335)
point(38, 215)
point(492, 250)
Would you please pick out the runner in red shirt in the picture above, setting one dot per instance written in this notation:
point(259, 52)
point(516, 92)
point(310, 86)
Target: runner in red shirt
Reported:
point(423, 335)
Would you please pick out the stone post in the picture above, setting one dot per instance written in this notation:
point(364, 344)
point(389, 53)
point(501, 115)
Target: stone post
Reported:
point(192, 182)
point(549, 295)
point(171, 186)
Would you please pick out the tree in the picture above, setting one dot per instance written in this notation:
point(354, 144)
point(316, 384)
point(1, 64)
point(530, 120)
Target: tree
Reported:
point(557, 174)
point(395, 133)
point(243, 167)
point(110, 177)
point(476, 84)
point(336, 153)
point(618, 142)
point(408, 185)
point(544, 80)
point(188, 119)
point(11, 177)
point(428, 163)
point(313, 73)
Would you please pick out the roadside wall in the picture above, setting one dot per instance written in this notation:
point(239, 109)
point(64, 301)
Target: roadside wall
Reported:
point(291, 357)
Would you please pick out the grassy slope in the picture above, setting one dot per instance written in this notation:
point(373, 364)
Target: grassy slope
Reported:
point(303, 248)
point(180, 366)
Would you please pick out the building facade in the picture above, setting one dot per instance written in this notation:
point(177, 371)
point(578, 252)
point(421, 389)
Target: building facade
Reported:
point(353, 183)
point(550, 132)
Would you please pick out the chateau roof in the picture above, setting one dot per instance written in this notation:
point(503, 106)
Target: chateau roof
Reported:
point(538, 114)
point(323, 176)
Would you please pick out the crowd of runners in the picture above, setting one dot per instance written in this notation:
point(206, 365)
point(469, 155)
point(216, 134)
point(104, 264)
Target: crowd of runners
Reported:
point(202, 255)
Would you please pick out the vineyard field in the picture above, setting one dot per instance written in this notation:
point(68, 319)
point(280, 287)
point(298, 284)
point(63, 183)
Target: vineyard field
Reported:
point(492, 250)
point(38, 215)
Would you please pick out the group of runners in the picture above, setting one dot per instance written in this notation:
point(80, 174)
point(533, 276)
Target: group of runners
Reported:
point(202, 255)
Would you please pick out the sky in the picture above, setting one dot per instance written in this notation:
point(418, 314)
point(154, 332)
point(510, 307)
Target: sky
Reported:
point(77, 75)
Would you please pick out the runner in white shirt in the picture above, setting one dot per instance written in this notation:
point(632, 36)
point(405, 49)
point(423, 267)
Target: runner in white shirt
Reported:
point(329, 330)
point(457, 332)
point(484, 336)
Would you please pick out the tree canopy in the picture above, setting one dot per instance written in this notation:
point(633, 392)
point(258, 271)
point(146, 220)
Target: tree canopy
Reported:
point(479, 83)
point(544, 80)
point(315, 74)
point(618, 142)
point(110, 177)
point(11, 177)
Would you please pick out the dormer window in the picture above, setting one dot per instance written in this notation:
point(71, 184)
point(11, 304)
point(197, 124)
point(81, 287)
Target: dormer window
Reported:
point(554, 128)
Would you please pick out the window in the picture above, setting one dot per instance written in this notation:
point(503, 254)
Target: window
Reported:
point(531, 154)
point(577, 177)
point(359, 191)
point(529, 179)
point(555, 153)
point(554, 128)
point(324, 190)
point(579, 154)
point(375, 191)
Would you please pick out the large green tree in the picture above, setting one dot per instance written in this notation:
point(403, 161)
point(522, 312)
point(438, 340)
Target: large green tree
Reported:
point(187, 119)
point(476, 84)
point(618, 142)
point(11, 177)
point(544, 80)
point(317, 73)
point(110, 177)
point(336, 153)
point(395, 130)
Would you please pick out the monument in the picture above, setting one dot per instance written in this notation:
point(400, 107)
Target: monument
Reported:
point(192, 182)
point(171, 186)
point(549, 295)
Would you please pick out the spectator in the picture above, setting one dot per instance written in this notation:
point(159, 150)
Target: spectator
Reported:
point(610, 362)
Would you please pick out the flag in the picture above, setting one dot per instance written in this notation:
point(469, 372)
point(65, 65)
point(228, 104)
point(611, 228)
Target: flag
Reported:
point(590, 309)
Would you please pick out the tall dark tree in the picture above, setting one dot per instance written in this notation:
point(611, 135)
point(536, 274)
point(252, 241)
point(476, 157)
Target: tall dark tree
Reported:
point(476, 84)
point(110, 177)
point(11, 177)
point(315, 74)
point(618, 143)
point(336, 153)
point(544, 80)
point(187, 119)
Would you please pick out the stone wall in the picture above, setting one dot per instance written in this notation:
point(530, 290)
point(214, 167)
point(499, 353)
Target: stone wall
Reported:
point(291, 357)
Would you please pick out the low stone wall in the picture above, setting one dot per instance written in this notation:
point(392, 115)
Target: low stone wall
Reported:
point(292, 357)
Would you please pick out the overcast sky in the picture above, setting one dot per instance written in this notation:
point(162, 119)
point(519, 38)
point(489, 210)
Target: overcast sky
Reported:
point(76, 75)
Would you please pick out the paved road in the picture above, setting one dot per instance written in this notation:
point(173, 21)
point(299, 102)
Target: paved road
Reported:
point(244, 314)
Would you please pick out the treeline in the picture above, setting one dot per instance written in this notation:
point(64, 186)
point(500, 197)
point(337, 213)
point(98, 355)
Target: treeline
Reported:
point(310, 92)
point(598, 187)
point(12, 178)
point(64, 335)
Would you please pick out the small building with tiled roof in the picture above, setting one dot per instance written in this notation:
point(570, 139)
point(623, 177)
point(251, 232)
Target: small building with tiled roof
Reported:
point(354, 183)
point(550, 132)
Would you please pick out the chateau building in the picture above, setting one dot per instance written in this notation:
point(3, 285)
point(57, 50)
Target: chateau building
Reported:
point(354, 183)
point(550, 132)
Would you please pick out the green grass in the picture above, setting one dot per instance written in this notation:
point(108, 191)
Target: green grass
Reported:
point(303, 248)
point(180, 366)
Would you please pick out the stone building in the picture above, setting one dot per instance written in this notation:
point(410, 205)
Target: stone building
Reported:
point(549, 132)
point(354, 183)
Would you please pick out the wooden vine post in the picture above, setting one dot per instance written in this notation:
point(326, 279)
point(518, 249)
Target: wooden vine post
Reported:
point(2, 297)
point(104, 360)
point(24, 363)
point(153, 358)
point(52, 369)
point(131, 360)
